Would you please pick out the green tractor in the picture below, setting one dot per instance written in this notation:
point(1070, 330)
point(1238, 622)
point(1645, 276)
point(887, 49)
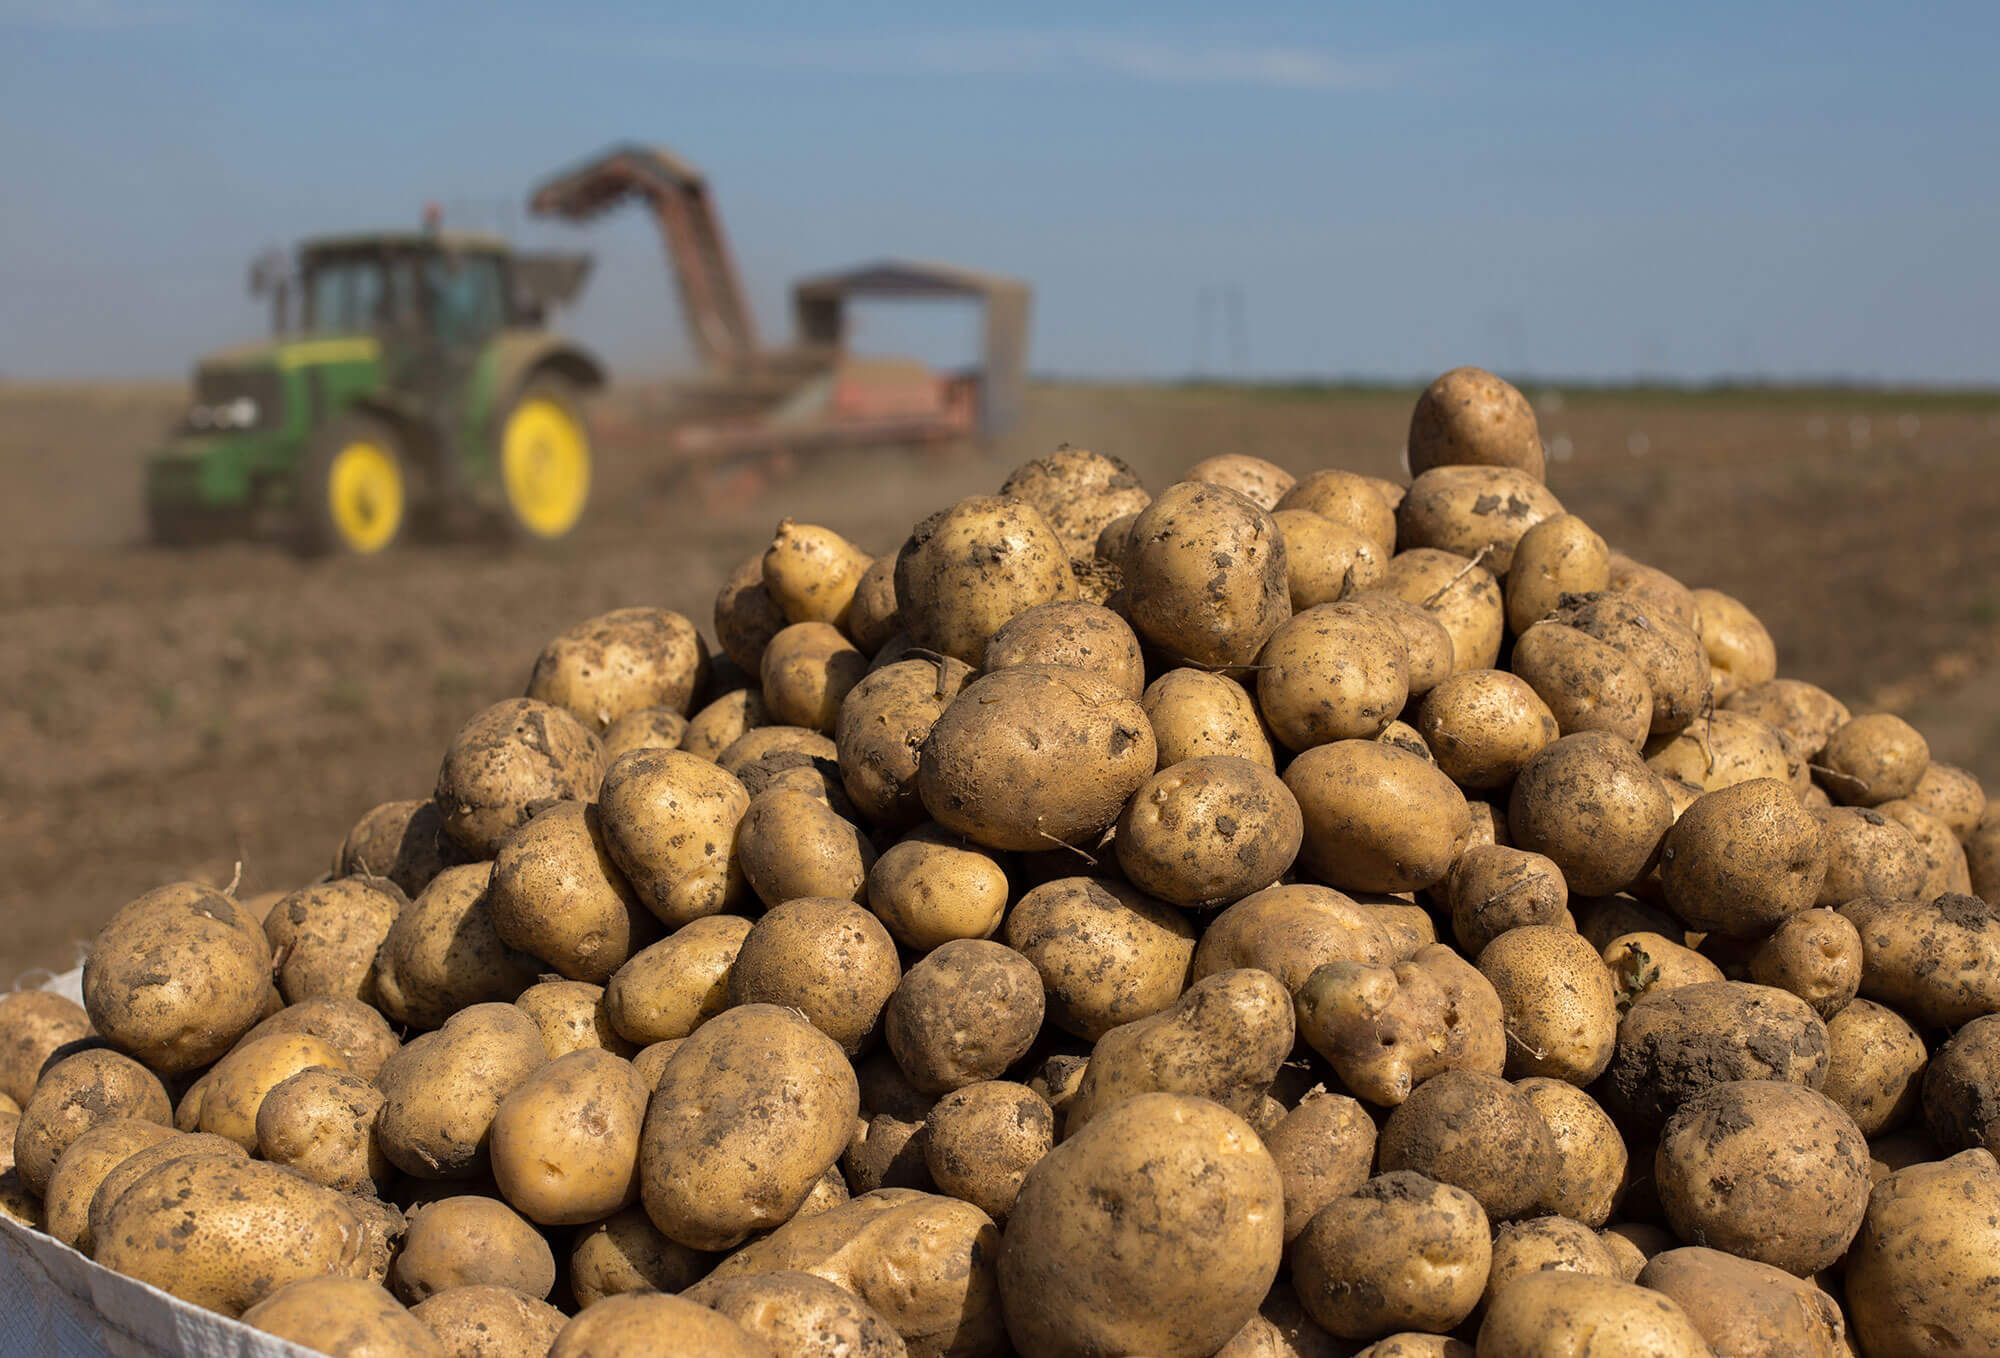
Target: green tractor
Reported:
point(414, 382)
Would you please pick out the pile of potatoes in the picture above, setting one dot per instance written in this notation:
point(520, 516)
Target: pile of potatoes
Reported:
point(1263, 917)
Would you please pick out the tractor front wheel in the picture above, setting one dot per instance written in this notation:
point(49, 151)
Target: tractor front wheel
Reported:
point(354, 488)
point(544, 460)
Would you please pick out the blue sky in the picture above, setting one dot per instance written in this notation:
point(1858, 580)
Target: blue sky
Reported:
point(1585, 189)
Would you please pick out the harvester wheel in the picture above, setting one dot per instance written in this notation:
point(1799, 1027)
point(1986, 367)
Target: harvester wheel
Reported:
point(354, 488)
point(544, 460)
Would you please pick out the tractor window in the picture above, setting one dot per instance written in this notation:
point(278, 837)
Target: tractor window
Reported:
point(344, 295)
point(467, 302)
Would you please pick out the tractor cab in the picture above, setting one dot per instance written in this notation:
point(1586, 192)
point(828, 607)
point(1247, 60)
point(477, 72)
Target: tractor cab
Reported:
point(409, 374)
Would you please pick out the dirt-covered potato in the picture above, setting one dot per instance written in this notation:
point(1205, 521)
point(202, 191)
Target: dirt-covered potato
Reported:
point(441, 1091)
point(933, 886)
point(791, 844)
point(1427, 646)
point(572, 1016)
point(873, 616)
point(717, 726)
point(81, 1168)
point(1561, 1008)
point(810, 573)
point(1476, 1132)
point(403, 841)
point(750, 1111)
point(1673, 1044)
point(1741, 654)
point(1642, 962)
point(1873, 759)
point(625, 1252)
point(1919, 1277)
point(1952, 795)
point(1868, 854)
point(1470, 417)
point(1377, 818)
point(239, 1081)
point(802, 1314)
point(1666, 651)
point(1262, 483)
point(652, 1325)
point(1157, 1229)
point(1654, 590)
point(1483, 726)
point(981, 1140)
point(1723, 749)
point(1937, 962)
point(1072, 633)
point(33, 1024)
point(1324, 560)
point(967, 570)
point(480, 1320)
point(882, 725)
point(1223, 1040)
point(1107, 953)
point(1961, 1095)
point(1558, 555)
point(324, 937)
point(1590, 804)
point(1808, 714)
point(1402, 1252)
point(565, 1141)
point(1208, 831)
point(1325, 1148)
point(1747, 1308)
point(1545, 1315)
point(965, 1013)
point(1946, 868)
point(176, 976)
point(1078, 492)
point(1590, 1155)
point(1335, 672)
point(1290, 930)
point(76, 1093)
point(1492, 888)
point(1461, 594)
point(321, 1123)
point(1205, 576)
point(1386, 1029)
point(471, 1241)
point(1348, 500)
point(348, 1316)
point(360, 1034)
point(620, 662)
point(258, 1227)
point(1587, 684)
point(1550, 1244)
point(746, 616)
point(1875, 1066)
point(1195, 713)
point(828, 959)
point(673, 987)
point(557, 896)
point(139, 1163)
point(1035, 757)
point(806, 670)
point(669, 820)
point(1474, 511)
point(1815, 955)
point(442, 953)
point(1742, 860)
point(1766, 1170)
point(508, 762)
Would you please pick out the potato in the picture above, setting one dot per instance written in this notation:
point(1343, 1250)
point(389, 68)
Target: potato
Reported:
point(1034, 757)
point(33, 1024)
point(1643, 962)
point(1542, 1315)
point(1654, 590)
point(1224, 1040)
point(1561, 1009)
point(1477, 512)
point(1348, 501)
point(1719, 751)
point(1590, 1154)
point(1260, 482)
point(828, 959)
point(238, 1083)
point(324, 938)
point(76, 1093)
point(1674, 1044)
point(1742, 860)
point(746, 616)
point(967, 570)
point(1461, 594)
point(258, 1228)
point(320, 1122)
point(1557, 555)
point(1324, 1149)
point(798, 1313)
point(625, 1252)
point(1335, 672)
point(81, 1168)
point(483, 1321)
point(360, 1034)
point(1919, 1274)
point(620, 662)
point(1326, 561)
point(1194, 713)
point(1291, 930)
point(1158, 1229)
point(1412, 1344)
point(748, 1114)
point(652, 1325)
point(807, 669)
point(1766, 1170)
point(644, 728)
point(885, 1152)
point(1072, 633)
point(1492, 888)
point(1078, 492)
point(1107, 954)
point(1741, 654)
point(669, 820)
point(572, 1016)
point(176, 976)
point(1953, 795)
point(933, 886)
point(557, 896)
point(1937, 962)
point(1808, 714)
point(872, 614)
point(811, 574)
point(1632, 1243)
point(1476, 1132)
point(1815, 955)
point(1875, 1066)
point(349, 1316)
point(141, 1162)
point(442, 953)
point(403, 841)
point(981, 1140)
point(672, 987)
point(1402, 1252)
point(1483, 726)
point(565, 1141)
point(440, 1093)
point(1208, 832)
point(1873, 759)
point(1587, 803)
point(882, 725)
point(471, 1241)
point(1427, 646)
point(791, 844)
point(1961, 1096)
point(1206, 576)
point(1946, 869)
point(1387, 1029)
point(1546, 1245)
point(1376, 818)
point(719, 725)
point(1587, 684)
point(508, 762)
point(965, 1013)
point(1470, 417)
point(1667, 652)
point(1404, 737)
point(1744, 1307)
point(1868, 854)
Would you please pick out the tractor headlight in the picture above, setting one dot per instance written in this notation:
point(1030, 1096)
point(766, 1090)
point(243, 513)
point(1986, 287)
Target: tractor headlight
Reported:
point(241, 413)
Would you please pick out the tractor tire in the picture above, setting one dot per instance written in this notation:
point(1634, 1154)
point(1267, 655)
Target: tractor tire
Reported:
point(354, 488)
point(543, 451)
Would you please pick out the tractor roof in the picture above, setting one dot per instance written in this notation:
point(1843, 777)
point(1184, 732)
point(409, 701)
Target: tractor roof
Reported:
point(358, 241)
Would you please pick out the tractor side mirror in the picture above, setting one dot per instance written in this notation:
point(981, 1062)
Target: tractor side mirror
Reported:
point(270, 276)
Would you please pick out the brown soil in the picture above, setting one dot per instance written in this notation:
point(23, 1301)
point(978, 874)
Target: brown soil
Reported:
point(168, 714)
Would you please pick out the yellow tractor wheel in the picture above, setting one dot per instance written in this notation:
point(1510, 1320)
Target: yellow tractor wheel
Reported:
point(354, 495)
point(544, 461)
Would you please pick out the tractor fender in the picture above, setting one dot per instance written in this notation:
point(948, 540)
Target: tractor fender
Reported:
point(518, 356)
